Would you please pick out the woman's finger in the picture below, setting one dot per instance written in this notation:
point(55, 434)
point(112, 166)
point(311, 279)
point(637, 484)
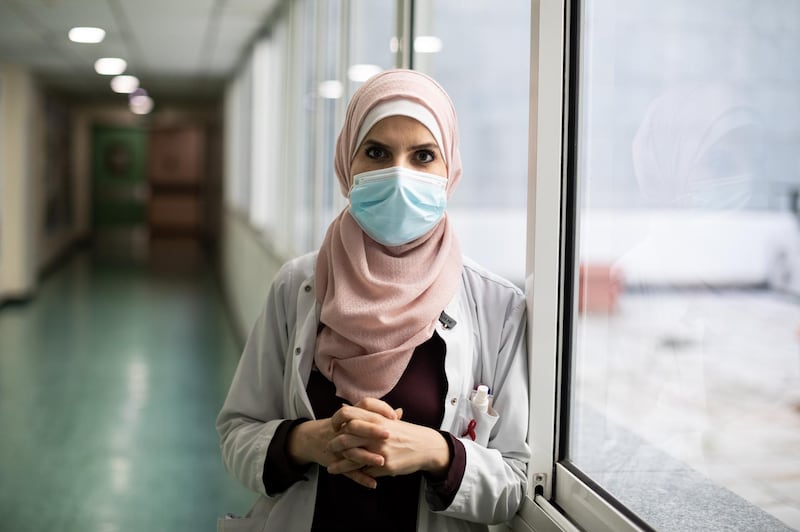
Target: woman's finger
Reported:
point(342, 466)
point(376, 405)
point(346, 465)
point(374, 472)
point(348, 413)
point(344, 442)
point(364, 457)
point(364, 429)
point(363, 479)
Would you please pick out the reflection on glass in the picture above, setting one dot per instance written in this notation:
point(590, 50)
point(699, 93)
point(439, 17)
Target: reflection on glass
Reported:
point(360, 73)
point(696, 147)
point(372, 28)
point(685, 388)
point(478, 51)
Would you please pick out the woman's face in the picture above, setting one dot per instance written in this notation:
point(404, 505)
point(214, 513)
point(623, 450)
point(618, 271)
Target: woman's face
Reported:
point(399, 141)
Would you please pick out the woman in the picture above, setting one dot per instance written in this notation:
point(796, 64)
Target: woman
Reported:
point(350, 408)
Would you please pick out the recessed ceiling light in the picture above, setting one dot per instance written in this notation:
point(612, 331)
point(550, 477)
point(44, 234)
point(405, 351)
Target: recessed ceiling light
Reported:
point(141, 104)
point(110, 66)
point(124, 84)
point(331, 89)
point(427, 44)
point(359, 73)
point(87, 34)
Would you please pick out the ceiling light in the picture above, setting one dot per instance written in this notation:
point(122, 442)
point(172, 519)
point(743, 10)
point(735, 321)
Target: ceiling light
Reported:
point(110, 66)
point(361, 73)
point(141, 104)
point(331, 89)
point(124, 84)
point(87, 35)
point(427, 44)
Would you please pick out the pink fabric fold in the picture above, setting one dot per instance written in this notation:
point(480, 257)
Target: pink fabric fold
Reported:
point(378, 303)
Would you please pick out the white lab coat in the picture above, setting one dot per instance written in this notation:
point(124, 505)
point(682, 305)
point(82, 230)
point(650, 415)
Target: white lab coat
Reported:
point(486, 346)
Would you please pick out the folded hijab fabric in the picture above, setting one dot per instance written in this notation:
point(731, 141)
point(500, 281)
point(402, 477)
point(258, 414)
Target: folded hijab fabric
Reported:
point(378, 303)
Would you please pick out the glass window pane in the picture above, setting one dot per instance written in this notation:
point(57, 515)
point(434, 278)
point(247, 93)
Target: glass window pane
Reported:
point(685, 370)
point(479, 52)
point(298, 95)
point(372, 27)
point(329, 94)
point(366, 46)
point(237, 146)
point(296, 37)
point(264, 126)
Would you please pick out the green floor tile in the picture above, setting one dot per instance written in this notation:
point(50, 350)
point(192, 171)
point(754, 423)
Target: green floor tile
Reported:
point(110, 381)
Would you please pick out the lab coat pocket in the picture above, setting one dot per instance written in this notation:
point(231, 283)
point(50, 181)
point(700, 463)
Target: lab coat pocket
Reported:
point(241, 524)
point(474, 424)
point(254, 521)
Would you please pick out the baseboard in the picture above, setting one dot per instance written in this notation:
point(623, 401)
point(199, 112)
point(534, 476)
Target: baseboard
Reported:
point(15, 300)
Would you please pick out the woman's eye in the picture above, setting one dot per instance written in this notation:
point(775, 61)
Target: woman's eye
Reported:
point(425, 156)
point(373, 152)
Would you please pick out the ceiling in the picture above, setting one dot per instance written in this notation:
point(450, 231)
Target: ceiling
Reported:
point(179, 49)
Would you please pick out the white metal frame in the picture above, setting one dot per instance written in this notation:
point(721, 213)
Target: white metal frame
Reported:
point(544, 230)
point(585, 507)
point(557, 500)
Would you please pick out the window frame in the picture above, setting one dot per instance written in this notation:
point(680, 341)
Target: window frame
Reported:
point(558, 498)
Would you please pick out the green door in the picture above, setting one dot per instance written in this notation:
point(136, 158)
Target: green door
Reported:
point(119, 189)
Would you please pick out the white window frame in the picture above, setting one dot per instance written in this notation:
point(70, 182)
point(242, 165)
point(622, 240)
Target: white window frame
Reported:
point(557, 499)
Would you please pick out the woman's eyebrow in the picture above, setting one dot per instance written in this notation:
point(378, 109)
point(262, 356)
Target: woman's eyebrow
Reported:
point(372, 142)
point(426, 146)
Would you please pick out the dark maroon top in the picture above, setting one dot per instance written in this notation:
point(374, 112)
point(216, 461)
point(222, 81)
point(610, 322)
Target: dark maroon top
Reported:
point(342, 504)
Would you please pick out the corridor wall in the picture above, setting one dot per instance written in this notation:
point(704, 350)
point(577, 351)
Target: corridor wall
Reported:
point(19, 130)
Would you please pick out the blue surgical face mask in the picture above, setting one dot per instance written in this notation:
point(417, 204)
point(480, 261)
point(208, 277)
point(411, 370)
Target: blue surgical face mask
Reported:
point(397, 205)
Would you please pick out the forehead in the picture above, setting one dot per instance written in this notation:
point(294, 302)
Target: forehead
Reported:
point(400, 129)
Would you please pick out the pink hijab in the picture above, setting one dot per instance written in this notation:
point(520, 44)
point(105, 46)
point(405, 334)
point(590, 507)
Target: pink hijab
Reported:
point(378, 302)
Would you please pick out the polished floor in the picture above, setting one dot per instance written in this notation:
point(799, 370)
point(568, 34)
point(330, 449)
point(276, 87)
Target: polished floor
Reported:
point(110, 382)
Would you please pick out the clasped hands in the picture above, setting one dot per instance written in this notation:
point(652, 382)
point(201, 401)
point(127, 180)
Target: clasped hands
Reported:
point(369, 440)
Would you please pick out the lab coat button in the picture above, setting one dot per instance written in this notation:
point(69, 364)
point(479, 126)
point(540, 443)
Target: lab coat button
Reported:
point(297, 351)
point(453, 401)
point(307, 288)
